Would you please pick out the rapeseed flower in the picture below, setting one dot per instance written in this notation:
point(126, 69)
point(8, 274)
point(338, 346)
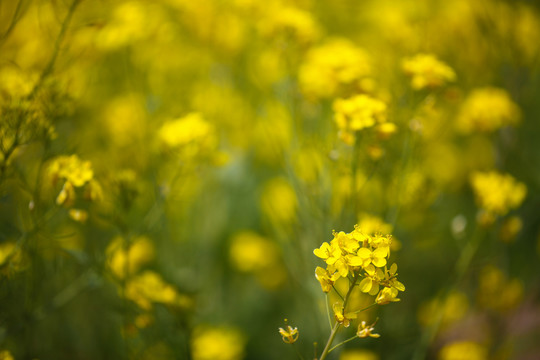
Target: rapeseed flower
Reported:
point(357, 113)
point(486, 110)
point(289, 335)
point(426, 71)
point(217, 343)
point(497, 193)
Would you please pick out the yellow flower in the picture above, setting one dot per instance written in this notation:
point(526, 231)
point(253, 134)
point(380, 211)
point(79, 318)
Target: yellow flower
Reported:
point(250, 252)
point(326, 279)
point(486, 110)
point(344, 319)
point(217, 343)
point(190, 137)
point(127, 260)
point(427, 71)
point(370, 284)
point(386, 296)
point(356, 113)
point(463, 350)
point(148, 288)
point(357, 354)
point(376, 257)
point(71, 169)
point(497, 193)
point(6, 355)
point(330, 253)
point(290, 335)
point(333, 67)
point(365, 330)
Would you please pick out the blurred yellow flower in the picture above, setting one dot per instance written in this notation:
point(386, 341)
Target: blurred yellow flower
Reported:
point(217, 343)
point(357, 354)
point(451, 309)
point(72, 169)
point(250, 252)
point(148, 288)
point(186, 130)
point(6, 355)
point(126, 260)
point(426, 71)
point(279, 203)
point(332, 68)
point(496, 291)
point(486, 110)
point(497, 193)
point(357, 113)
point(463, 350)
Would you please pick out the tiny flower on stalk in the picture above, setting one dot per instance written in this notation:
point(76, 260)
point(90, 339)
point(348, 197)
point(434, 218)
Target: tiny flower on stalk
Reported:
point(290, 335)
point(365, 330)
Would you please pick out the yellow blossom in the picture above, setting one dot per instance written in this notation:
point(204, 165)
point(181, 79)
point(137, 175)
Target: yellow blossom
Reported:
point(191, 135)
point(330, 69)
point(427, 71)
point(250, 252)
point(356, 113)
point(387, 295)
point(463, 350)
point(289, 335)
point(217, 343)
point(326, 279)
point(365, 330)
point(344, 319)
point(486, 110)
point(497, 193)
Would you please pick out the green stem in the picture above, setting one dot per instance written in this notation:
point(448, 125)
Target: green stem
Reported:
point(364, 309)
point(337, 324)
point(342, 343)
point(330, 340)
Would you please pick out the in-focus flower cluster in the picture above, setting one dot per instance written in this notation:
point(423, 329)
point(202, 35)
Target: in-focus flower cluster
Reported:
point(360, 255)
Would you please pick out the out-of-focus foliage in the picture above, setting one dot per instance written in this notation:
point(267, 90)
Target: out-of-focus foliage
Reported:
point(167, 168)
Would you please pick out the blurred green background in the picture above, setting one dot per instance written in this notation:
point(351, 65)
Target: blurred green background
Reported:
point(167, 168)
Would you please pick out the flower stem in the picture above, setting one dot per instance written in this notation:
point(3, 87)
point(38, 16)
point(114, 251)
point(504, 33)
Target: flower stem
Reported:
point(343, 342)
point(337, 324)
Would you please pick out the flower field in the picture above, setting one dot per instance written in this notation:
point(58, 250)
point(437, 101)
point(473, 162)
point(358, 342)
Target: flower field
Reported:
point(242, 179)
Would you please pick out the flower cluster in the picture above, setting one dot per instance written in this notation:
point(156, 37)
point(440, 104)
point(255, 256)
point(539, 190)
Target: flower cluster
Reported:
point(360, 112)
point(496, 193)
point(74, 173)
point(486, 110)
point(363, 256)
point(332, 68)
point(426, 71)
point(190, 136)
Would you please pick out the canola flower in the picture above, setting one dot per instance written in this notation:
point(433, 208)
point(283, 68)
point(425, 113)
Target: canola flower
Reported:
point(333, 68)
point(190, 136)
point(486, 110)
point(360, 112)
point(496, 194)
point(75, 173)
point(290, 334)
point(218, 343)
point(426, 71)
point(361, 258)
point(463, 350)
